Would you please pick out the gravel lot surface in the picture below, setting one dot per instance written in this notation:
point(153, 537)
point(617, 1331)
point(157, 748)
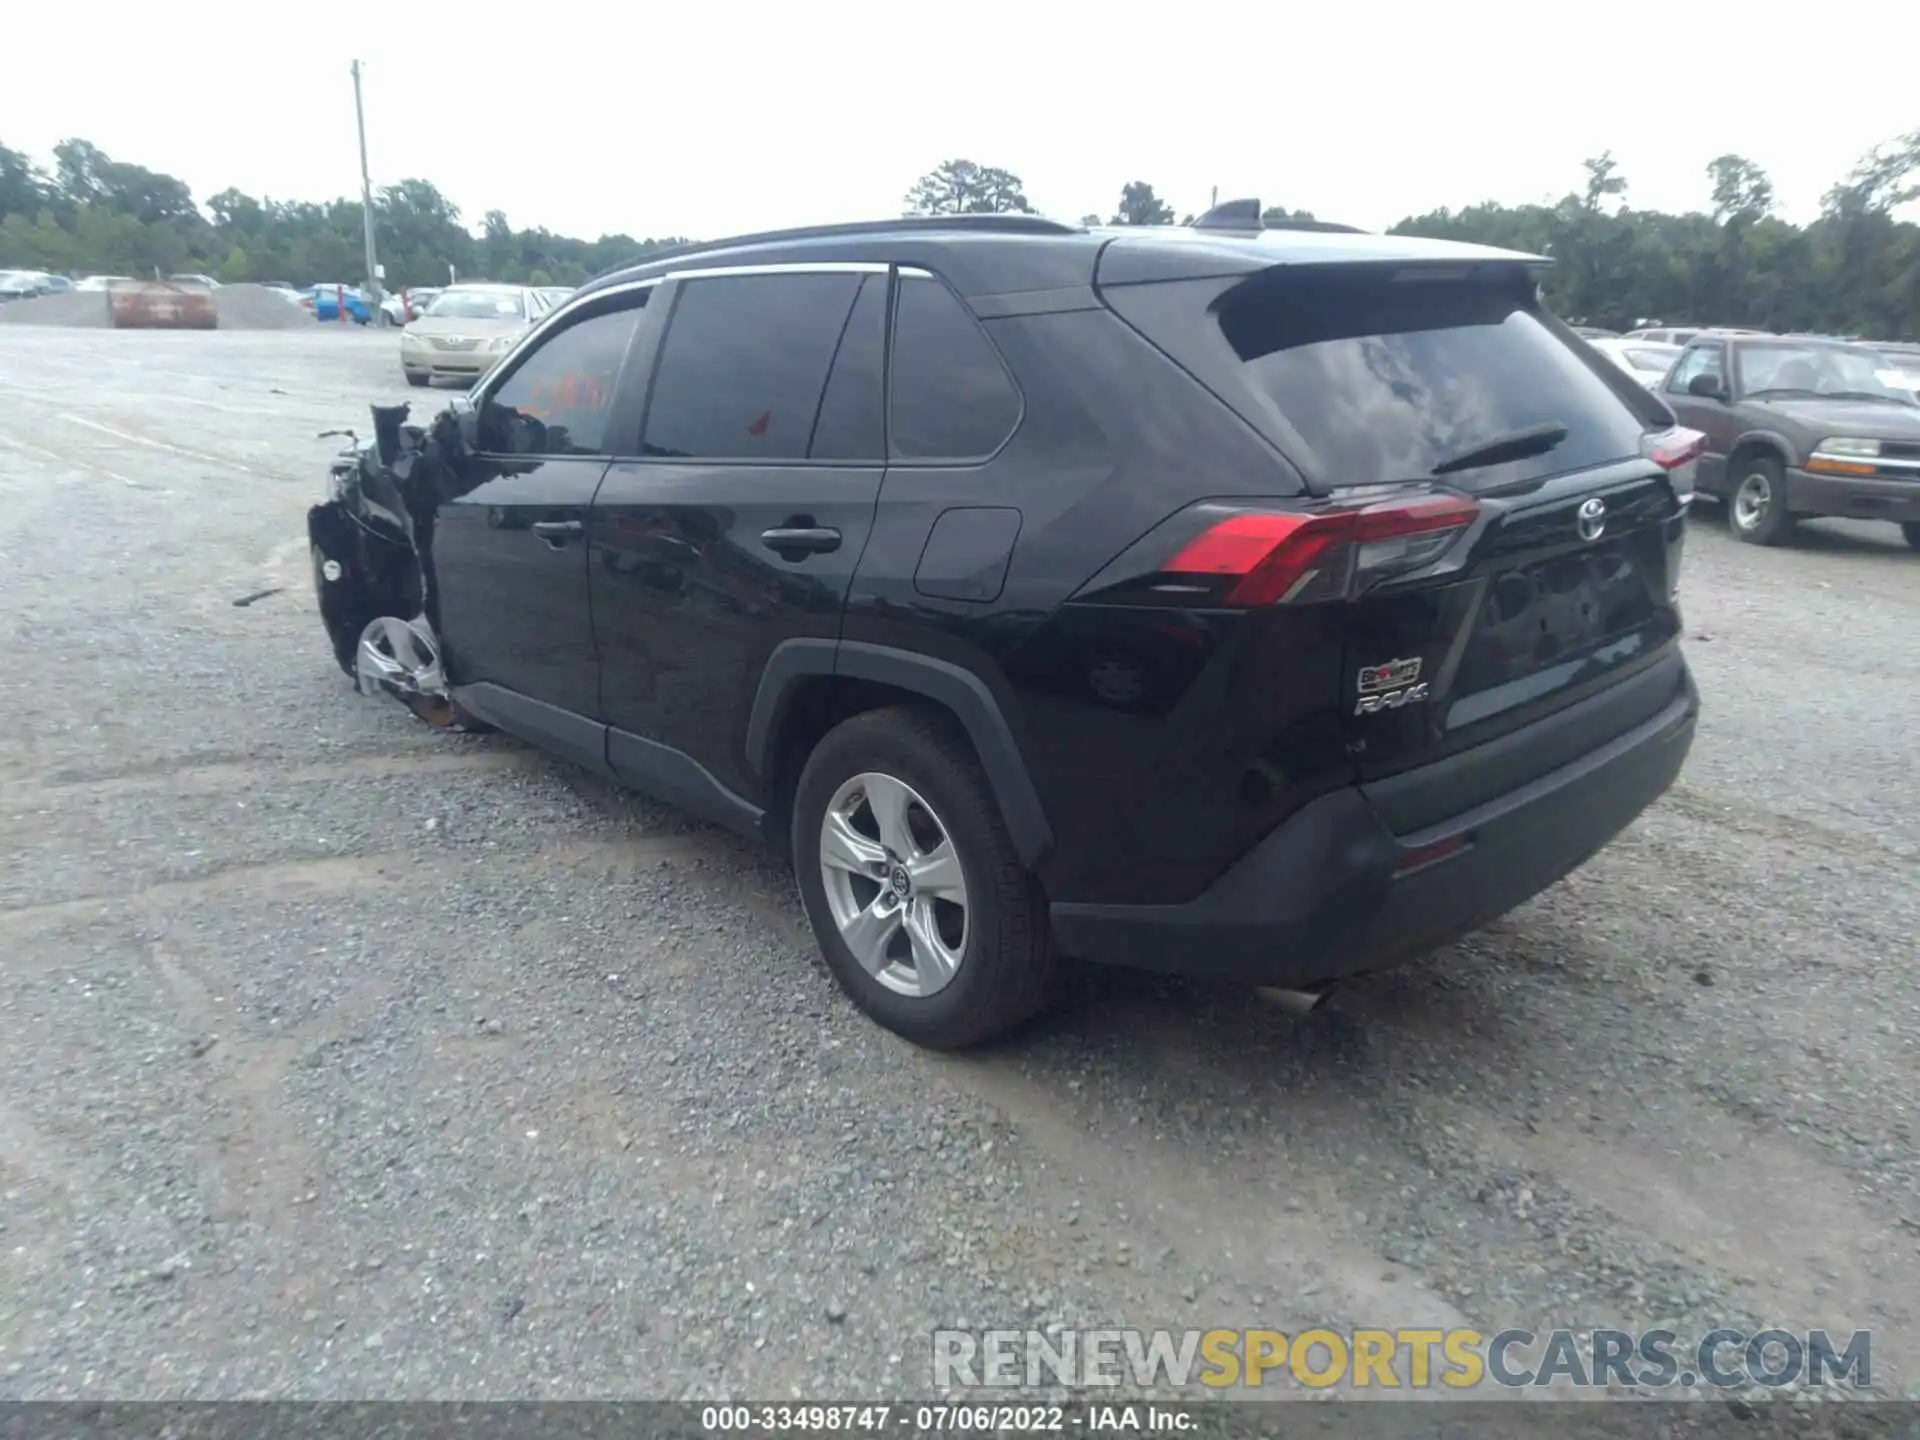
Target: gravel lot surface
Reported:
point(347, 1059)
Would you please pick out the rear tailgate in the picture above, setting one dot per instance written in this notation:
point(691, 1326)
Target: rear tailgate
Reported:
point(1557, 605)
point(1446, 383)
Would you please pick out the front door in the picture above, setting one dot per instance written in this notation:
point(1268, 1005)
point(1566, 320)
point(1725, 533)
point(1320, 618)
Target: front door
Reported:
point(1712, 418)
point(509, 547)
point(740, 524)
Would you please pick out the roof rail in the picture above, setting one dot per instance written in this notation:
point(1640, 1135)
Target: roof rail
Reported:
point(1011, 224)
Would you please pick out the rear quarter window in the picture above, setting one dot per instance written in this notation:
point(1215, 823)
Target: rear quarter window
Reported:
point(952, 396)
point(1385, 379)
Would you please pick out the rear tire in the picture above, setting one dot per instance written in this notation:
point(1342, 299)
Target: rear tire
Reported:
point(1911, 529)
point(1757, 508)
point(990, 969)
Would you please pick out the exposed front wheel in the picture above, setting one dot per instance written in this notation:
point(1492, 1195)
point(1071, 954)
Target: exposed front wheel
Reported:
point(1758, 509)
point(1911, 529)
point(922, 910)
point(419, 382)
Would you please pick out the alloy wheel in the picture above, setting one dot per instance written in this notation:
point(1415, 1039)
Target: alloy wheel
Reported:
point(1751, 500)
point(894, 884)
point(400, 657)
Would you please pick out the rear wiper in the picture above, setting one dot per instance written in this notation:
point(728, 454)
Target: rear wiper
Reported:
point(1518, 445)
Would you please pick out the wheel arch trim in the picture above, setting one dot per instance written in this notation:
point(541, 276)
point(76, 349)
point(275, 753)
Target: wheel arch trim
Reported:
point(960, 691)
point(1768, 440)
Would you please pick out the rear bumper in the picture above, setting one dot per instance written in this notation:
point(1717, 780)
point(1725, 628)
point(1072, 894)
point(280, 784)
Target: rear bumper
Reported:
point(1859, 497)
point(1331, 893)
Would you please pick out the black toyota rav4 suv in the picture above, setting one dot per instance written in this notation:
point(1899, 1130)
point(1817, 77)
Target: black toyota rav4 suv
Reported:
point(1270, 606)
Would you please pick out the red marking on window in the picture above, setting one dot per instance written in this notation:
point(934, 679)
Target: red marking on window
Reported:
point(759, 427)
point(574, 392)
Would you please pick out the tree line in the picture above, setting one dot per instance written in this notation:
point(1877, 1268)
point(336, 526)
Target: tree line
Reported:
point(94, 215)
point(1854, 269)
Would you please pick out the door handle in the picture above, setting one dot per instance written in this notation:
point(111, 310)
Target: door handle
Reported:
point(800, 541)
point(558, 532)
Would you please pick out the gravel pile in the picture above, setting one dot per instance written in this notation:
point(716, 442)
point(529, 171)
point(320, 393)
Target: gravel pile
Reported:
point(255, 307)
point(77, 308)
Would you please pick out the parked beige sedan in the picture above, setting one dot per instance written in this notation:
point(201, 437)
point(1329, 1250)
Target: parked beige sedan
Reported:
point(467, 329)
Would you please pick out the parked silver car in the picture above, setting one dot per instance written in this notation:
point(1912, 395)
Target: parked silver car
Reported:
point(403, 307)
point(1646, 360)
point(467, 329)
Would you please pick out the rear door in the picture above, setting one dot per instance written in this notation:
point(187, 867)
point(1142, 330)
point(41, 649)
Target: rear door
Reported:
point(740, 522)
point(509, 552)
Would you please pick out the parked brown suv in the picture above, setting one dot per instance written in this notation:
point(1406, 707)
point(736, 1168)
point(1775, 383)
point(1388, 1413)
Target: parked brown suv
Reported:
point(1798, 428)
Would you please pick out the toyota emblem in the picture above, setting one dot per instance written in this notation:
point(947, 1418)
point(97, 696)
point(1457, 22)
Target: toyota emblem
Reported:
point(1591, 521)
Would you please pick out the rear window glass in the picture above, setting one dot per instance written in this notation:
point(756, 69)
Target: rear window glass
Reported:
point(1385, 380)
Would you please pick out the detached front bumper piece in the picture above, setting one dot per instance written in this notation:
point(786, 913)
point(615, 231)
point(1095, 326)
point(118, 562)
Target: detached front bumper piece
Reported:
point(1334, 892)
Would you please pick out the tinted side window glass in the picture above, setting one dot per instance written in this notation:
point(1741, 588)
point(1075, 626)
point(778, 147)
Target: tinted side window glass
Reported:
point(851, 421)
point(557, 399)
point(952, 396)
point(744, 368)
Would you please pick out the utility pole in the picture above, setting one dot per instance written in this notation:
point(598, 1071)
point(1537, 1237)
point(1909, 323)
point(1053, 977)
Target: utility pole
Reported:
point(374, 287)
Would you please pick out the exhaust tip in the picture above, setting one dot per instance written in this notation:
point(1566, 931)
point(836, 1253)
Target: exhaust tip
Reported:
point(1294, 1002)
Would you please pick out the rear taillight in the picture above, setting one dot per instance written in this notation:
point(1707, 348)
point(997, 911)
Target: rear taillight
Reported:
point(1283, 557)
point(1676, 451)
point(1670, 449)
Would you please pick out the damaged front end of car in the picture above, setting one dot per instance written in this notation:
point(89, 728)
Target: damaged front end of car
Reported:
point(372, 544)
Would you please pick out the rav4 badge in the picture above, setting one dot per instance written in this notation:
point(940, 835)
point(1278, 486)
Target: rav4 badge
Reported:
point(1394, 673)
point(1389, 686)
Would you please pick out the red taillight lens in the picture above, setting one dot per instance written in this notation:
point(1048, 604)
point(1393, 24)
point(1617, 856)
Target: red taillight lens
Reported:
point(1676, 451)
point(1287, 556)
point(1237, 545)
point(1676, 447)
point(1276, 554)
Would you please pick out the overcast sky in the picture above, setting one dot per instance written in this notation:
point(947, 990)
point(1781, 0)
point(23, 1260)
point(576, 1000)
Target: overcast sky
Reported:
point(703, 120)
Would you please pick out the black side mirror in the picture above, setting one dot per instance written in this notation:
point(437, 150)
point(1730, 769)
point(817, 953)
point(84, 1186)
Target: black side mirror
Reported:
point(1707, 387)
point(466, 421)
point(387, 420)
